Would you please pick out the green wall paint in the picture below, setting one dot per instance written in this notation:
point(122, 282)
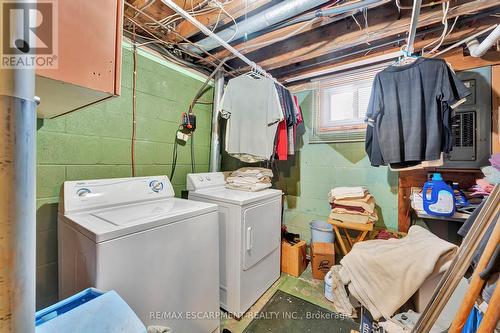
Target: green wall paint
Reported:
point(307, 177)
point(95, 143)
point(316, 168)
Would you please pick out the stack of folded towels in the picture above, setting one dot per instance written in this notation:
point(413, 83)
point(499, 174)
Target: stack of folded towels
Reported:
point(352, 205)
point(249, 179)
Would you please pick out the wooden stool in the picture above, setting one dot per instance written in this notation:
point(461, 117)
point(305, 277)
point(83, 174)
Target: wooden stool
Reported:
point(346, 226)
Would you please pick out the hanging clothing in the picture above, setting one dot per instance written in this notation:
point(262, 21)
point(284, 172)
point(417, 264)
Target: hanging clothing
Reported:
point(282, 135)
point(407, 112)
point(282, 142)
point(298, 110)
point(254, 111)
point(287, 129)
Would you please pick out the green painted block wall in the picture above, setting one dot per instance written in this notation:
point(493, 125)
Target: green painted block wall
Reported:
point(95, 143)
point(318, 167)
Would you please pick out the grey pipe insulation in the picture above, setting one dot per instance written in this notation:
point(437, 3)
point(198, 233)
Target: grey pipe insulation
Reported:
point(275, 16)
point(265, 19)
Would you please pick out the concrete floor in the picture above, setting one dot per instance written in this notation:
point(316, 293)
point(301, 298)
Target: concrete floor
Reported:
point(304, 287)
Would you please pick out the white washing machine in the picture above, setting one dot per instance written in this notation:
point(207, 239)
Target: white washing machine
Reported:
point(249, 236)
point(160, 253)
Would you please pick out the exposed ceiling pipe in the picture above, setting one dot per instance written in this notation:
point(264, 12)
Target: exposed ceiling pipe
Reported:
point(275, 14)
point(478, 50)
point(464, 41)
point(337, 10)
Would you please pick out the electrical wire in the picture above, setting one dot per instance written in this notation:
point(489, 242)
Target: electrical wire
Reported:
point(235, 24)
point(398, 4)
point(355, 20)
point(197, 96)
point(174, 156)
point(192, 54)
point(282, 38)
point(134, 111)
point(209, 55)
point(192, 153)
point(201, 8)
point(234, 21)
point(440, 39)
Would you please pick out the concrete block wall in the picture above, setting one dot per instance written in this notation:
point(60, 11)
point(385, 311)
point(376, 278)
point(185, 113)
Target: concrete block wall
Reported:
point(316, 168)
point(95, 143)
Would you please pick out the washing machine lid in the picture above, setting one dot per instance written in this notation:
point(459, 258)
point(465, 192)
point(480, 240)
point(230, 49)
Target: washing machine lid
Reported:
point(85, 195)
point(235, 197)
point(105, 224)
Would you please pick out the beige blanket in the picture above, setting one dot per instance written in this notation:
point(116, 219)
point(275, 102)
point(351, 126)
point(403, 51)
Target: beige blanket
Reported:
point(383, 274)
point(367, 202)
point(343, 215)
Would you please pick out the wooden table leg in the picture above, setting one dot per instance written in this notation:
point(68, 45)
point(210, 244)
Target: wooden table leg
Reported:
point(348, 237)
point(361, 236)
point(339, 239)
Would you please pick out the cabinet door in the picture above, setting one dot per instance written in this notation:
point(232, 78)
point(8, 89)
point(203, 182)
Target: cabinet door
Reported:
point(261, 232)
point(89, 39)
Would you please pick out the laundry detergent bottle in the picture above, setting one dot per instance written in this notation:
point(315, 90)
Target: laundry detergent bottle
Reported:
point(438, 197)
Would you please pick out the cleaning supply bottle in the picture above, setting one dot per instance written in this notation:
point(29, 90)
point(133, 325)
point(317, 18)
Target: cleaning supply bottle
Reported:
point(438, 197)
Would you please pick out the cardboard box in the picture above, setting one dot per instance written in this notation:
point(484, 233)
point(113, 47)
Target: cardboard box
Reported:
point(322, 259)
point(293, 258)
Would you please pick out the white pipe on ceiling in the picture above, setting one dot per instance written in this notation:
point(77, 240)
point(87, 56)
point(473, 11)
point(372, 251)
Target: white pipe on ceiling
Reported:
point(478, 50)
point(474, 36)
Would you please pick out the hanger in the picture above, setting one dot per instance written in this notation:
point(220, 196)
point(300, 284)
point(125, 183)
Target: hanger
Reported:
point(259, 73)
point(254, 73)
point(406, 57)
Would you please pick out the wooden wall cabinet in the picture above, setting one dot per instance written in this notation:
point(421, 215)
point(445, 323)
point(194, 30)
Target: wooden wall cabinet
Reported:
point(89, 56)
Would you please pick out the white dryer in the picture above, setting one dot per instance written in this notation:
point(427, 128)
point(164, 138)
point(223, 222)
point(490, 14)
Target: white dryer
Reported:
point(249, 236)
point(158, 252)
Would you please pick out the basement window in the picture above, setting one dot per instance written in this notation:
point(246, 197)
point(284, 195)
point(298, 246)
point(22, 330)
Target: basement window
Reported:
point(341, 105)
point(344, 107)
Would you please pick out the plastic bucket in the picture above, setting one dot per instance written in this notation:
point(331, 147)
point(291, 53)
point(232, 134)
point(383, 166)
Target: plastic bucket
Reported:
point(321, 231)
point(328, 286)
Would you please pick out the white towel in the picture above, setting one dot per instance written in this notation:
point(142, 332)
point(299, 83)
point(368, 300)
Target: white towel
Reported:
point(347, 192)
point(252, 172)
point(248, 187)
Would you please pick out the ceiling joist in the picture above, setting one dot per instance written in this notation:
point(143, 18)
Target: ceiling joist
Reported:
point(309, 45)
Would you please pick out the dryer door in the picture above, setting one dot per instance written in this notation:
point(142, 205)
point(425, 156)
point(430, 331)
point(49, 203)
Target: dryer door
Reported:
point(261, 232)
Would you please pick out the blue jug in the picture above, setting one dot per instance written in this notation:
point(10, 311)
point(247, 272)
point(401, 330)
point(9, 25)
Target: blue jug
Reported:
point(438, 197)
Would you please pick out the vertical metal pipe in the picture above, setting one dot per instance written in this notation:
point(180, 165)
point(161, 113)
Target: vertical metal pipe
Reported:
point(413, 25)
point(17, 199)
point(215, 140)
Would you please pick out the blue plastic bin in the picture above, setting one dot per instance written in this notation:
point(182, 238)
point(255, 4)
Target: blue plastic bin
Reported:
point(91, 310)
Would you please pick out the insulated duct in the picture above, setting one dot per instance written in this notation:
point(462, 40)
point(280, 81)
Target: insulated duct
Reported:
point(337, 10)
point(263, 20)
point(478, 50)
